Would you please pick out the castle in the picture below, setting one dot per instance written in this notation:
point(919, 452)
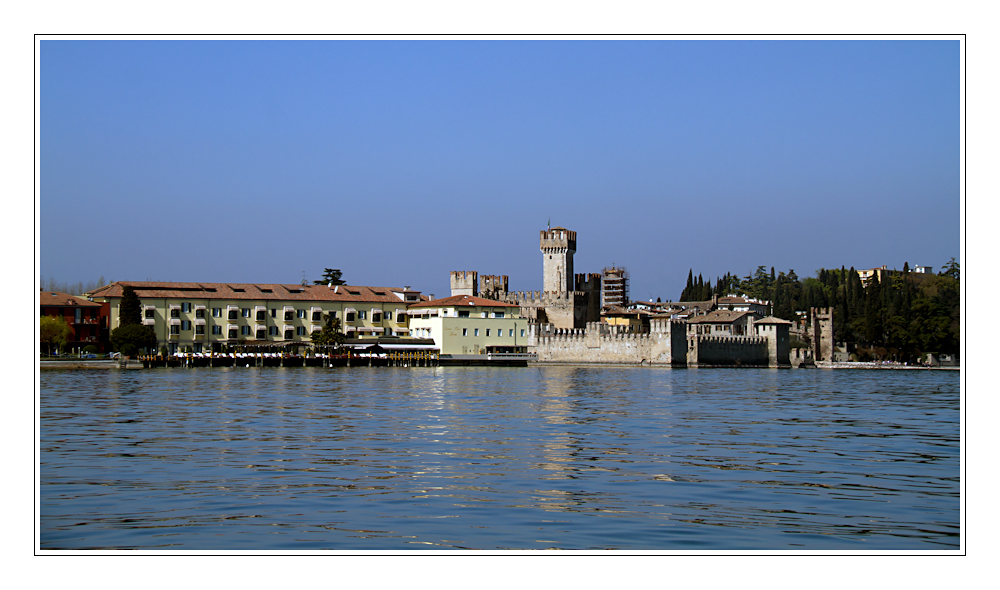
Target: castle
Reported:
point(565, 322)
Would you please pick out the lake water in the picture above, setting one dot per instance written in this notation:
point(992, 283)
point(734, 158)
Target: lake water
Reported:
point(439, 458)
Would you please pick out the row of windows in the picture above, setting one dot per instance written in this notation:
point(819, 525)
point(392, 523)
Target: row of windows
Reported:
point(499, 332)
point(317, 316)
point(241, 331)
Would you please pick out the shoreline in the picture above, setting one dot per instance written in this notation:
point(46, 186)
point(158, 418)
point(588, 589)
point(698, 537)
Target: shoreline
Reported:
point(136, 364)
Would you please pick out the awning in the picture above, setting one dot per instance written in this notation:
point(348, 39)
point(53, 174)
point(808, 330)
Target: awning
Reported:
point(351, 329)
point(289, 308)
point(199, 307)
point(400, 313)
point(175, 322)
point(259, 327)
point(149, 307)
point(375, 311)
point(350, 310)
point(378, 330)
point(403, 330)
point(315, 308)
point(232, 327)
point(199, 321)
point(173, 307)
point(260, 308)
point(148, 322)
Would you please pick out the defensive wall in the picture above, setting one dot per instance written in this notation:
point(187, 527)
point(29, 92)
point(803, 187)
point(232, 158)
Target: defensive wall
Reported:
point(663, 344)
point(748, 351)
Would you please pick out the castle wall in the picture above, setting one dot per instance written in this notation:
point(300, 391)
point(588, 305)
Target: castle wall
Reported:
point(599, 343)
point(727, 350)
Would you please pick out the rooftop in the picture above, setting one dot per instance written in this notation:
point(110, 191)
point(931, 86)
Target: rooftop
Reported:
point(462, 301)
point(257, 291)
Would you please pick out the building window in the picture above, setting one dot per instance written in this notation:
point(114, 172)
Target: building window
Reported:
point(175, 313)
point(376, 317)
point(216, 312)
point(244, 330)
point(350, 316)
point(199, 313)
point(388, 316)
point(362, 315)
point(272, 331)
point(511, 334)
point(232, 314)
point(300, 313)
point(245, 312)
point(317, 316)
point(150, 313)
point(175, 329)
point(200, 329)
point(463, 314)
point(522, 332)
point(300, 331)
point(477, 332)
point(217, 330)
point(289, 315)
point(289, 334)
point(260, 334)
point(498, 314)
point(274, 313)
point(465, 331)
point(232, 333)
point(261, 315)
point(186, 307)
point(487, 332)
point(185, 325)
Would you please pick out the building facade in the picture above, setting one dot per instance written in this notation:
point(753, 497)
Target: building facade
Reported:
point(87, 320)
point(202, 317)
point(465, 324)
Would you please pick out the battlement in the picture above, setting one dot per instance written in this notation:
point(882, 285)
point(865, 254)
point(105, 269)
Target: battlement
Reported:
point(463, 282)
point(493, 284)
point(557, 239)
point(588, 282)
point(540, 298)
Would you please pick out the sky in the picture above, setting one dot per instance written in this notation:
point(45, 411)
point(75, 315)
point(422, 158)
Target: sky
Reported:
point(398, 161)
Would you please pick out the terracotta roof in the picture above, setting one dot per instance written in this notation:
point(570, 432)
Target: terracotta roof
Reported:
point(259, 291)
point(719, 317)
point(772, 320)
point(52, 299)
point(462, 301)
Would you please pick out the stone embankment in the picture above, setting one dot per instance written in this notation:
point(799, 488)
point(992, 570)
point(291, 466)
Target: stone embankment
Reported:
point(875, 365)
point(88, 364)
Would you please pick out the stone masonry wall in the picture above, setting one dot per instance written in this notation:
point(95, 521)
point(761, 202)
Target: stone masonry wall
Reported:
point(598, 343)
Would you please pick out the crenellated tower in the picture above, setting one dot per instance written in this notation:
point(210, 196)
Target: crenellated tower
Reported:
point(558, 245)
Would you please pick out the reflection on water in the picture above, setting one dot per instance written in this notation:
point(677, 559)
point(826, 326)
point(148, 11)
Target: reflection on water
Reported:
point(489, 458)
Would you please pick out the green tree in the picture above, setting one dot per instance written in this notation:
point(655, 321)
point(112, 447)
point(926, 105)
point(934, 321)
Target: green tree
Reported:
point(133, 338)
point(330, 335)
point(54, 331)
point(331, 276)
point(130, 308)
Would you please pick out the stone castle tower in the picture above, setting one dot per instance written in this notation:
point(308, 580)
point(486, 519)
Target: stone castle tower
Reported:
point(558, 245)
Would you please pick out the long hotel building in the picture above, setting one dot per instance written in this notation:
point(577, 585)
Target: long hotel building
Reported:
point(197, 317)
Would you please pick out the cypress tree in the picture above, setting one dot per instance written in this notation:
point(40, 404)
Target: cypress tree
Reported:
point(130, 308)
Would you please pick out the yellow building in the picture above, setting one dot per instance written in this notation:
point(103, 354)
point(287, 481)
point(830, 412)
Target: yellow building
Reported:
point(464, 324)
point(199, 317)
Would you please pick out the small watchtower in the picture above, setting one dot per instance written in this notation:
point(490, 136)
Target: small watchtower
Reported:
point(558, 245)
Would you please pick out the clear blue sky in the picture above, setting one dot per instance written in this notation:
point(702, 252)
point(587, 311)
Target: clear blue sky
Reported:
point(399, 161)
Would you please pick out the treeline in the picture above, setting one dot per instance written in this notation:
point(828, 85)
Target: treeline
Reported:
point(78, 288)
point(900, 317)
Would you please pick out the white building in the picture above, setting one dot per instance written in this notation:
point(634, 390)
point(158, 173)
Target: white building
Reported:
point(464, 324)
